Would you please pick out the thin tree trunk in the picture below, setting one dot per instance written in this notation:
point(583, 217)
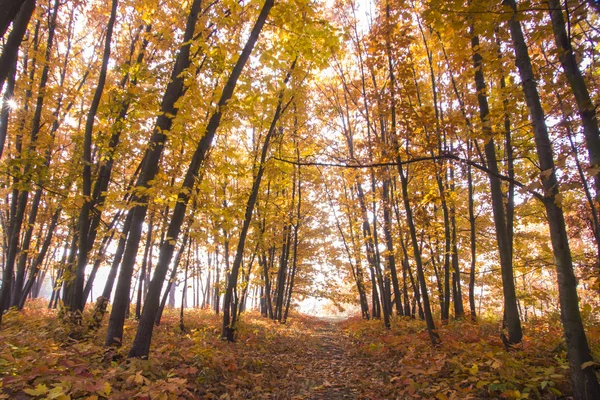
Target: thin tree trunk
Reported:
point(172, 283)
point(473, 239)
point(77, 301)
point(37, 263)
point(140, 291)
point(19, 204)
point(585, 106)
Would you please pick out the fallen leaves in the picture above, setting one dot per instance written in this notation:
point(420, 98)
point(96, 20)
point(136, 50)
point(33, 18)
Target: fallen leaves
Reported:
point(306, 358)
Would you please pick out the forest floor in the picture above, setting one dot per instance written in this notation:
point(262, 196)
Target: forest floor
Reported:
point(306, 358)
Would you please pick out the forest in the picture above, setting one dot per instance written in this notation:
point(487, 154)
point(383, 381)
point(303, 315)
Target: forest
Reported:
point(177, 178)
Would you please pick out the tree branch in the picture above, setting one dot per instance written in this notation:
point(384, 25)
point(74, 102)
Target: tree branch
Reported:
point(443, 156)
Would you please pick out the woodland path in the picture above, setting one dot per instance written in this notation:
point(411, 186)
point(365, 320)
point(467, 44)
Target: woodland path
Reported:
point(321, 362)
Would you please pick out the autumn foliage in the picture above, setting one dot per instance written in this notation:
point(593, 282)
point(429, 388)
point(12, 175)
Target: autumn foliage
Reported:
point(305, 358)
point(430, 165)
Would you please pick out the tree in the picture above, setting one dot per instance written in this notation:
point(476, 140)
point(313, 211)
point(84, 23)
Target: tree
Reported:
point(149, 167)
point(515, 334)
point(141, 344)
point(10, 10)
point(583, 378)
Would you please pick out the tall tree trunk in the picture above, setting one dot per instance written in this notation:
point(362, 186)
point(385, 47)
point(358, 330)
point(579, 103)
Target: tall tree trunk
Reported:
point(141, 344)
point(164, 121)
point(20, 202)
point(296, 227)
point(37, 263)
point(433, 335)
point(184, 291)
point(585, 106)
point(584, 379)
point(511, 312)
point(473, 240)
point(77, 301)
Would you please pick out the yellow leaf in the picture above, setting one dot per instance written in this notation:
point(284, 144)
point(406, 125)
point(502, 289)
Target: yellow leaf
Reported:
point(474, 370)
point(588, 364)
point(38, 391)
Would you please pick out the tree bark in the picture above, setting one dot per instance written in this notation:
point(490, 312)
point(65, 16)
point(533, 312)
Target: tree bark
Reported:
point(13, 42)
point(583, 379)
point(150, 164)
point(141, 344)
point(511, 312)
point(20, 202)
point(585, 106)
point(8, 11)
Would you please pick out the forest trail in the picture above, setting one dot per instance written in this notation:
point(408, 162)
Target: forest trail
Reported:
point(317, 364)
point(325, 368)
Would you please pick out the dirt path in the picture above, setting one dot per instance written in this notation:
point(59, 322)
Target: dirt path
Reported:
point(332, 364)
point(319, 364)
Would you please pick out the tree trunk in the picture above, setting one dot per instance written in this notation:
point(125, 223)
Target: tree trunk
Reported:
point(19, 204)
point(229, 318)
point(147, 254)
point(511, 312)
point(583, 379)
point(585, 106)
point(172, 283)
point(77, 301)
point(10, 50)
point(37, 263)
point(473, 240)
point(8, 11)
point(141, 344)
point(164, 121)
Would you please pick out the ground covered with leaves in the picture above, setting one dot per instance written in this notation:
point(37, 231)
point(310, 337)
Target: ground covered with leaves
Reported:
point(307, 358)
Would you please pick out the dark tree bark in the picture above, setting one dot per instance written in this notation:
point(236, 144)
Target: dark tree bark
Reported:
point(13, 42)
point(585, 106)
point(141, 344)
point(511, 312)
point(229, 317)
point(584, 380)
point(8, 11)
point(8, 64)
point(150, 164)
